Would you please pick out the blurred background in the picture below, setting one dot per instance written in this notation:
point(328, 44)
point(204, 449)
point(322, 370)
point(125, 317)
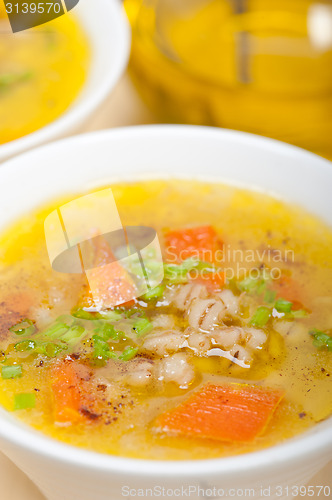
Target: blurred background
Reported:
point(262, 66)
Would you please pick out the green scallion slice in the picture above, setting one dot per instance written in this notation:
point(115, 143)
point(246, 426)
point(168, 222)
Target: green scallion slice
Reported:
point(178, 273)
point(13, 371)
point(23, 401)
point(50, 349)
point(111, 315)
point(55, 331)
point(74, 334)
point(154, 293)
point(142, 326)
point(25, 327)
point(261, 316)
point(107, 332)
point(321, 339)
point(270, 296)
point(283, 306)
point(81, 313)
point(7, 80)
point(250, 284)
point(128, 354)
point(300, 313)
point(101, 350)
point(25, 345)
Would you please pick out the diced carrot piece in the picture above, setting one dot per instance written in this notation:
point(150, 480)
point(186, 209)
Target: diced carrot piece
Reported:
point(287, 288)
point(201, 242)
point(73, 396)
point(214, 282)
point(129, 304)
point(234, 412)
point(109, 281)
point(67, 397)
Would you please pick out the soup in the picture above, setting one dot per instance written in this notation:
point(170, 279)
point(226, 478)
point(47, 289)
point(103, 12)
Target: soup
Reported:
point(230, 353)
point(42, 71)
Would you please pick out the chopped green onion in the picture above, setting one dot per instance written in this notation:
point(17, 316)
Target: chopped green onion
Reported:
point(101, 351)
point(107, 332)
point(13, 371)
point(154, 293)
point(128, 354)
point(252, 285)
point(25, 345)
point(81, 313)
point(283, 306)
point(74, 334)
point(128, 313)
point(26, 326)
point(23, 401)
point(321, 339)
point(261, 316)
point(261, 287)
point(50, 349)
point(9, 79)
point(152, 266)
point(67, 319)
point(270, 296)
point(175, 275)
point(55, 331)
point(178, 273)
point(111, 315)
point(142, 326)
point(300, 313)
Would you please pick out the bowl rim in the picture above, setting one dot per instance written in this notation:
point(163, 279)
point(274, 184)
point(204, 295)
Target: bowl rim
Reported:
point(81, 107)
point(310, 443)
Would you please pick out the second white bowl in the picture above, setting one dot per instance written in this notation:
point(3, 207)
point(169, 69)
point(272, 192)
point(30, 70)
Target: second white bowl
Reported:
point(108, 31)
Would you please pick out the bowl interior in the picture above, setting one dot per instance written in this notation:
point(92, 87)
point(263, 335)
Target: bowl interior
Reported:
point(94, 160)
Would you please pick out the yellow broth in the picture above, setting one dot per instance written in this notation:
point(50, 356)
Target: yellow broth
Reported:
point(244, 220)
point(42, 72)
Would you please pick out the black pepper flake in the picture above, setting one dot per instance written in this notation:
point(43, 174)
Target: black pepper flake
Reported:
point(37, 390)
point(302, 414)
point(74, 356)
point(89, 414)
point(101, 387)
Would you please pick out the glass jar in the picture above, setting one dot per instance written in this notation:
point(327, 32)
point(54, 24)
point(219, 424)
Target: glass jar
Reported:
point(263, 66)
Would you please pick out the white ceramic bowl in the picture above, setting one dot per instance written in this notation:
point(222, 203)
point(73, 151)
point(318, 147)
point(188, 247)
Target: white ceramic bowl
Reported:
point(66, 473)
point(108, 31)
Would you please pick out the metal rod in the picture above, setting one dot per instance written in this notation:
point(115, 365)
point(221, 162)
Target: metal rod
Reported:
point(243, 50)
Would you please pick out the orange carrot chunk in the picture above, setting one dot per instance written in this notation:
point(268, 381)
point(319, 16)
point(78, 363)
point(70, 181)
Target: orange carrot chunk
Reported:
point(109, 282)
point(214, 282)
point(225, 413)
point(74, 397)
point(67, 397)
point(201, 242)
point(287, 288)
